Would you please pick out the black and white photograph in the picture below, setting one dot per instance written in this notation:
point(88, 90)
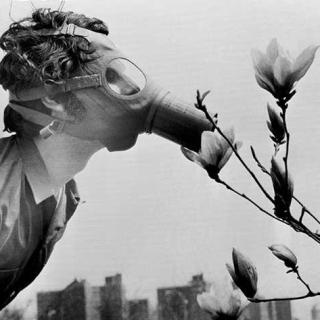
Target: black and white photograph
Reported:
point(159, 160)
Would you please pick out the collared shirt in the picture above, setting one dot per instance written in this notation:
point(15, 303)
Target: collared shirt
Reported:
point(33, 214)
point(35, 170)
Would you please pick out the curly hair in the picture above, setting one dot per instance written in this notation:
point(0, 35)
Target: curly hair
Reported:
point(32, 58)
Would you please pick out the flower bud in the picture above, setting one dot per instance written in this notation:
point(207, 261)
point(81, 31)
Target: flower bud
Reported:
point(283, 188)
point(283, 253)
point(275, 125)
point(243, 273)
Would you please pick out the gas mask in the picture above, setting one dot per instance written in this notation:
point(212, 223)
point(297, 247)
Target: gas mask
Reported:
point(119, 99)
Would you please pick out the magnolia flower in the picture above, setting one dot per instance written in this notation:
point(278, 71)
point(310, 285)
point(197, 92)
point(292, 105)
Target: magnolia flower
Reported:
point(283, 253)
point(275, 125)
point(243, 273)
point(277, 72)
point(215, 151)
point(283, 188)
point(223, 301)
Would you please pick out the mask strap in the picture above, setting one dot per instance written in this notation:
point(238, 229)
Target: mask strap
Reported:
point(50, 127)
point(51, 87)
point(66, 29)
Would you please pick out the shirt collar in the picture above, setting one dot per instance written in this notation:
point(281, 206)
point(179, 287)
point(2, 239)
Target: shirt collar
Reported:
point(35, 170)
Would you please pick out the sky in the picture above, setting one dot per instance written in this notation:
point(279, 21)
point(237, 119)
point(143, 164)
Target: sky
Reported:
point(154, 216)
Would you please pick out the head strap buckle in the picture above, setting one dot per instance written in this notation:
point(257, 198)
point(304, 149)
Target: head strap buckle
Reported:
point(66, 29)
point(73, 30)
point(51, 129)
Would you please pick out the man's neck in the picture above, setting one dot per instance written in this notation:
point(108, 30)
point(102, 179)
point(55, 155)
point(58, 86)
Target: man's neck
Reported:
point(65, 156)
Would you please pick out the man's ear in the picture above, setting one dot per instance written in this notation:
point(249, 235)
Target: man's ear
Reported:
point(57, 110)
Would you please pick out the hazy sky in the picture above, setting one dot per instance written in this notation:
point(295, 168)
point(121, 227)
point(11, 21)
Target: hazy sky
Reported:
point(149, 213)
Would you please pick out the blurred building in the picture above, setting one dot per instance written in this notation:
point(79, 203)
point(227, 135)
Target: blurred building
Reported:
point(80, 301)
point(273, 310)
point(138, 310)
point(179, 303)
point(315, 312)
point(112, 298)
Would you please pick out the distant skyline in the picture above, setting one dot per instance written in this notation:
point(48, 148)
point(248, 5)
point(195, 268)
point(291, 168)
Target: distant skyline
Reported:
point(154, 216)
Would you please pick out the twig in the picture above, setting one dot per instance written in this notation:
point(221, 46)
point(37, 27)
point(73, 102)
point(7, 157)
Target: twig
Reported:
point(291, 221)
point(308, 295)
point(302, 228)
point(244, 196)
point(259, 164)
point(283, 105)
point(295, 224)
point(296, 271)
point(264, 170)
point(203, 108)
point(306, 209)
point(303, 210)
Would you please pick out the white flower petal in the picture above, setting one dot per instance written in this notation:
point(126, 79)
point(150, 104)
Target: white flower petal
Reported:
point(225, 147)
point(303, 62)
point(282, 70)
point(273, 50)
point(232, 273)
point(223, 299)
point(262, 64)
point(238, 145)
point(229, 133)
point(264, 83)
point(209, 303)
point(210, 147)
point(225, 158)
point(235, 303)
point(193, 156)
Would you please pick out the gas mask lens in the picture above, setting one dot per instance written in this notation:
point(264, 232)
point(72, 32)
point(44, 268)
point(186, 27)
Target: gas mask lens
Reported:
point(125, 78)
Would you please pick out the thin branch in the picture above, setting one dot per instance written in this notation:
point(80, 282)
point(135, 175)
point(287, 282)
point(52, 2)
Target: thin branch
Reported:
point(283, 105)
point(244, 196)
point(203, 108)
point(303, 211)
point(302, 228)
point(246, 167)
point(264, 170)
point(259, 164)
point(306, 209)
point(308, 295)
point(296, 271)
point(295, 224)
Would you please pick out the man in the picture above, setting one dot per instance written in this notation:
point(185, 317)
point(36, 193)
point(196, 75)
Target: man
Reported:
point(72, 92)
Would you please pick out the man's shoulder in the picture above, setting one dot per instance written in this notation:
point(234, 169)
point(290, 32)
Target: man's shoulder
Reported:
point(10, 159)
point(19, 158)
point(8, 145)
